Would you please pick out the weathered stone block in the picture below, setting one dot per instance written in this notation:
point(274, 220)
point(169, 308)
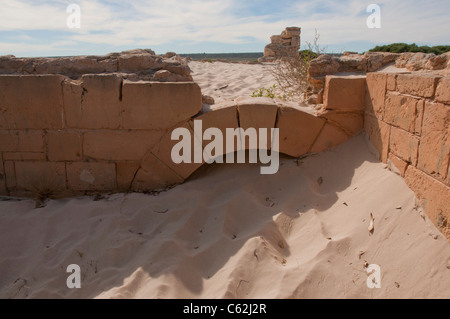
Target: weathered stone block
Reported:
point(64, 146)
point(404, 145)
point(295, 42)
point(30, 102)
point(21, 141)
point(400, 110)
point(24, 156)
point(276, 39)
point(399, 164)
point(40, 176)
point(298, 131)
point(10, 174)
point(443, 91)
point(344, 93)
point(125, 175)
point(350, 122)
point(83, 176)
point(434, 151)
point(391, 84)
point(290, 32)
point(376, 91)
point(320, 67)
point(222, 116)
point(159, 106)
point(378, 133)
point(139, 62)
point(418, 85)
point(94, 103)
point(163, 152)
point(433, 195)
point(258, 113)
point(329, 137)
point(155, 175)
point(72, 95)
point(269, 53)
point(119, 145)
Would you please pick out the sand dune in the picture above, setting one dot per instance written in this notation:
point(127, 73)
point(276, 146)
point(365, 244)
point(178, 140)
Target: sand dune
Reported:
point(225, 81)
point(230, 232)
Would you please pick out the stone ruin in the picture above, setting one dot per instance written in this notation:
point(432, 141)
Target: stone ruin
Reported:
point(287, 44)
point(353, 63)
point(132, 65)
point(94, 124)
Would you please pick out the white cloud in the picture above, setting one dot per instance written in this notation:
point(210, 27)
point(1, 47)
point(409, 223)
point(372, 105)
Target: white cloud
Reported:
point(150, 23)
point(24, 15)
point(401, 21)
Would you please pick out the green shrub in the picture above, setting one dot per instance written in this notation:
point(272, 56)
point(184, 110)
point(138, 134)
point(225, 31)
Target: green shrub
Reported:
point(404, 47)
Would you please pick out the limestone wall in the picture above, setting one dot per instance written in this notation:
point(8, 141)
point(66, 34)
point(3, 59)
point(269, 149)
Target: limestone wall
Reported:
point(87, 135)
point(101, 133)
point(407, 119)
point(134, 65)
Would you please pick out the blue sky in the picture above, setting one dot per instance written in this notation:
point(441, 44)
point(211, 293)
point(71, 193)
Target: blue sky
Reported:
point(38, 27)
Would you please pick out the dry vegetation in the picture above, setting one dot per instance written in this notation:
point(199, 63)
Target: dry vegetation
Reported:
point(291, 74)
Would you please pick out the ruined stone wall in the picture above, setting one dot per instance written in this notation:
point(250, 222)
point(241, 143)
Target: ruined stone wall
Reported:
point(86, 135)
point(285, 45)
point(133, 65)
point(101, 133)
point(407, 119)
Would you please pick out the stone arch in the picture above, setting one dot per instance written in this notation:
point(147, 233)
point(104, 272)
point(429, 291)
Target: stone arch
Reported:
point(301, 131)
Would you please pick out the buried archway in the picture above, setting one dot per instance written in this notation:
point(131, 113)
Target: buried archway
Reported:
point(299, 132)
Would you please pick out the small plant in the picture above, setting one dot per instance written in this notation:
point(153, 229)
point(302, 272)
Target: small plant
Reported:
point(46, 186)
point(272, 93)
point(263, 92)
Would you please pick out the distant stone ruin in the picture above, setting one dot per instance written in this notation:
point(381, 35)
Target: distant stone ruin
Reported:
point(287, 44)
point(132, 65)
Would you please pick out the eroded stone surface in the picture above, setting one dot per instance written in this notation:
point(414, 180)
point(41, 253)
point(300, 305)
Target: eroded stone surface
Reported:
point(344, 93)
point(139, 64)
point(91, 176)
point(434, 149)
point(119, 145)
point(433, 196)
point(298, 131)
point(31, 102)
point(400, 111)
point(375, 93)
point(159, 106)
point(285, 45)
point(417, 84)
point(443, 91)
point(404, 144)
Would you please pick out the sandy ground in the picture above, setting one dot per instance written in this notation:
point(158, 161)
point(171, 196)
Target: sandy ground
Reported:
point(226, 81)
point(230, 232)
